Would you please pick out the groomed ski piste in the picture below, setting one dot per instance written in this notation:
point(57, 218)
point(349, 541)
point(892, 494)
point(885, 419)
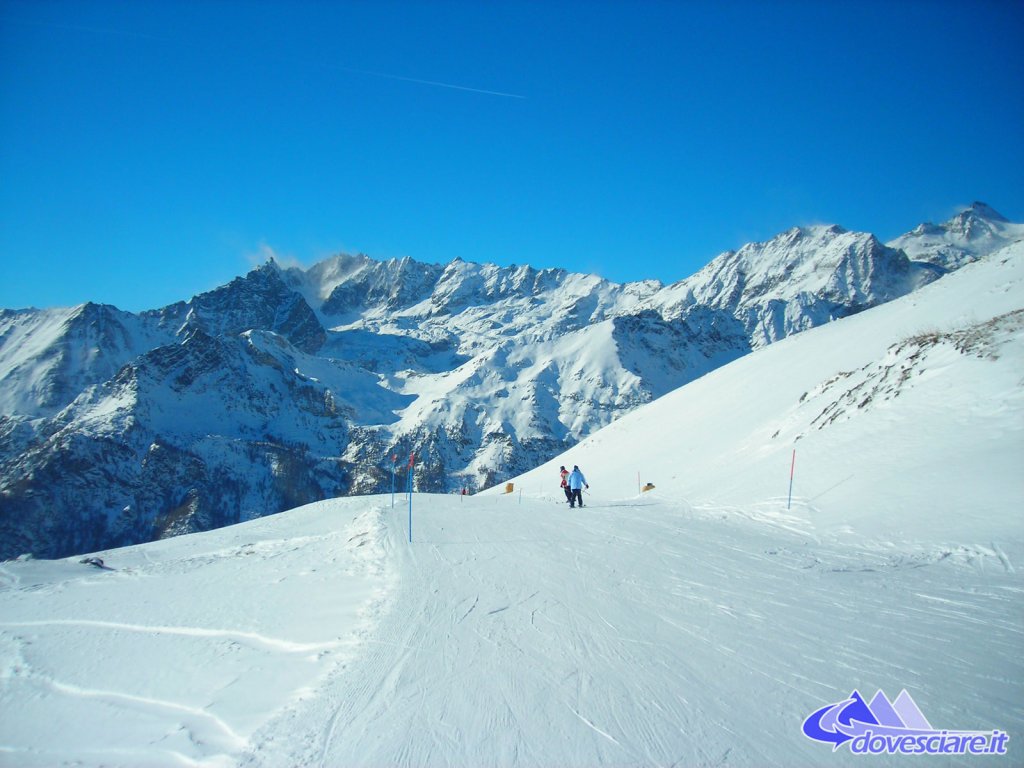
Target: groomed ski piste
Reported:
point(696, 624)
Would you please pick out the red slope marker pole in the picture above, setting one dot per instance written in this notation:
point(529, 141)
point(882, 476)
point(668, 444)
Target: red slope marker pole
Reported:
point(394, 458)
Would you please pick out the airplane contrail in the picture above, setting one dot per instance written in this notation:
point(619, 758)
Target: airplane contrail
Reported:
point(288, 60)
point(432, 82)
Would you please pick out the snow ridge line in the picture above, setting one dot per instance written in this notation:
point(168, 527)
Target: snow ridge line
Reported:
point(272, 643)
point(233, 740)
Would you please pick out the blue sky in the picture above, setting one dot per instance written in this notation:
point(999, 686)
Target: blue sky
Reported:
point(150, 151)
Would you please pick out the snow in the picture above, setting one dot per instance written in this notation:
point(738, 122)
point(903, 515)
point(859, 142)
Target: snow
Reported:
point(799, 279)
point(695, 624)
point(179, 654)
point(970, 235)
point(26, 356)
point(47, 357)
point(953, 408)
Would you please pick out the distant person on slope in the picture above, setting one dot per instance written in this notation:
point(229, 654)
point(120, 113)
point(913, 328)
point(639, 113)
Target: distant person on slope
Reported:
point(564, 473)
point(577, 482)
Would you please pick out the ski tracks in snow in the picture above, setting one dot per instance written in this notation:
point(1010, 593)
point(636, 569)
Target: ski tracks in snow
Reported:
point(505, 635)
point(188, 677)
point(645, 637)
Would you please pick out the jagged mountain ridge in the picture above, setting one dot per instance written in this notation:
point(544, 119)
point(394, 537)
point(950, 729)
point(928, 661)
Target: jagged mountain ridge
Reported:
point(48, 357)
point(289, 385)
point(802, 278)
point(970, 235)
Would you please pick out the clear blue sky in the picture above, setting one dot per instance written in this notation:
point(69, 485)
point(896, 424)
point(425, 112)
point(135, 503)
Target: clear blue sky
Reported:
point(152, 150)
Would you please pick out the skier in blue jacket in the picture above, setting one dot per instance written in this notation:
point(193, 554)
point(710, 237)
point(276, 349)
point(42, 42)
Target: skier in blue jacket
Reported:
point(577, 482)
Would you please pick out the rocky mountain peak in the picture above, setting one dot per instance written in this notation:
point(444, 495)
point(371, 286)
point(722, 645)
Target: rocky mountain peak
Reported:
point(968, 236)
point(984, 211)
point(260, 299)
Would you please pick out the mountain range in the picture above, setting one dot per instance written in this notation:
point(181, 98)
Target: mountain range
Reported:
point(830, 512)
point(291, 385)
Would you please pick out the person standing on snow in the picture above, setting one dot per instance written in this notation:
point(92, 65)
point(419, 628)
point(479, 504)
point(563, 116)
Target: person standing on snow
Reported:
point(577, 482)
point(564, 474)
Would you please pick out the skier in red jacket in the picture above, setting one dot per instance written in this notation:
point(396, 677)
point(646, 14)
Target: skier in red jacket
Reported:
point(565, 484)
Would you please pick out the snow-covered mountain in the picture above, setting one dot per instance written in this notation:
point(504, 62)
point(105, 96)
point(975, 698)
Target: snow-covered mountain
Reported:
point(697, 624)
point(803, 278)
point(971, 234)
point(291, 385)
point(48, 358)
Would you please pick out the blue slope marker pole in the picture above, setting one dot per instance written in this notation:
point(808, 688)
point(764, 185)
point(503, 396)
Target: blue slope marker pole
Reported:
point(792, 466)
